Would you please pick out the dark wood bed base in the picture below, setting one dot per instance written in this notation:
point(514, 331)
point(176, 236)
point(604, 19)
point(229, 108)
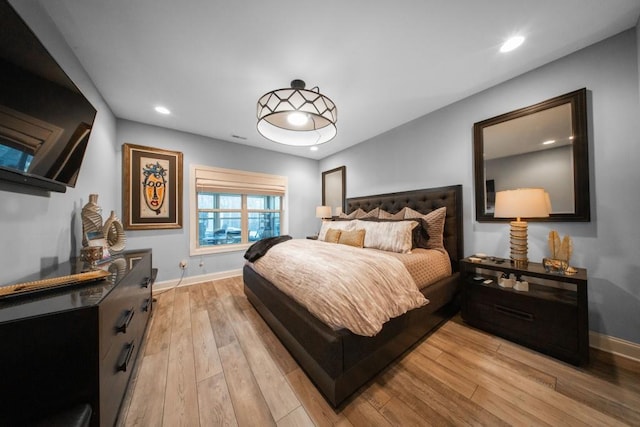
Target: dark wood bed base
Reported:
point(340, 362)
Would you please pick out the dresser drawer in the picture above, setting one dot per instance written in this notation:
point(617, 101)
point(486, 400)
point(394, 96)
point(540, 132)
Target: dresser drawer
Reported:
point(125, 311)
point(115, 372)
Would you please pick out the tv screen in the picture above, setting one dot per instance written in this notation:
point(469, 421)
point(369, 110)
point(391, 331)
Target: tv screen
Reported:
point(45, 121)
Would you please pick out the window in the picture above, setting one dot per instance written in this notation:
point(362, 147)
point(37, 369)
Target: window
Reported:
point(232, 209)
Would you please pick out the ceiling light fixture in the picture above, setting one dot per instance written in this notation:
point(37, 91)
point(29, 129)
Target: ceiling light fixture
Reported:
point(549, 142)
point(297, 116)
point(511, 44)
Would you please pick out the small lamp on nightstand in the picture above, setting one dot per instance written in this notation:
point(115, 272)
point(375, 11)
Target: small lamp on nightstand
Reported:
point(323, 212)
point(521, 203)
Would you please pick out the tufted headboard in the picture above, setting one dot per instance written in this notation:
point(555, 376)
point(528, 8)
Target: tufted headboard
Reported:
point(424, 201)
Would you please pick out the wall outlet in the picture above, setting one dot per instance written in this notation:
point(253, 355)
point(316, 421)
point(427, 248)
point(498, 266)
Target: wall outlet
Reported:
point(183, 264)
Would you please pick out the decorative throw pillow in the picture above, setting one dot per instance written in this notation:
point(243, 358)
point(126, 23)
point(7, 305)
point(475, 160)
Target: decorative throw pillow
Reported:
point(338, 225)
point(373, 213)
point(386, 215)
point(332, 235)
point(435, 225)
point(419, 235)
point(352, 238)
point(352, 215)
point(393, 236)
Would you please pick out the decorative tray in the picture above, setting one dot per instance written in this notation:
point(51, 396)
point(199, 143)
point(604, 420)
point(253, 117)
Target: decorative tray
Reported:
point(54, 282)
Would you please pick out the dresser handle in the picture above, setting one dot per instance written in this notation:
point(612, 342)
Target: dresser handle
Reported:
point(146, 282)
point(145, 306)
point(122, 327)
point(124, 360)
point(512, 312)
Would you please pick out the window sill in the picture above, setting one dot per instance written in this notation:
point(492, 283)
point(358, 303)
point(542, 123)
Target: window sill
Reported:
point(217, 249)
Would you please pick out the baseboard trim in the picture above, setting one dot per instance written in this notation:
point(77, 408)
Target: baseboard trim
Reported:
point(192, 280)
point(614, 345)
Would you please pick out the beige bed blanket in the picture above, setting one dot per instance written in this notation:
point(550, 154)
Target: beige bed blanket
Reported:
point(343, 286)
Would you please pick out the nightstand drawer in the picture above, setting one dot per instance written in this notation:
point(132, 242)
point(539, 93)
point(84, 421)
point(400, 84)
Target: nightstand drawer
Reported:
point(516, 316)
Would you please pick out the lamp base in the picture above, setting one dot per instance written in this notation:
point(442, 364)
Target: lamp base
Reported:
point(518, 241)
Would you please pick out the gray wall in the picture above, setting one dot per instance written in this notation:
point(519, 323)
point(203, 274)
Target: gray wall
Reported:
point(39, 230)
point(436, 150)
point(171, 246)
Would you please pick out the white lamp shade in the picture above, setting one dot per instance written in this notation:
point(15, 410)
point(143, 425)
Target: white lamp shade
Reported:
point(323, 212)
point(522, 203)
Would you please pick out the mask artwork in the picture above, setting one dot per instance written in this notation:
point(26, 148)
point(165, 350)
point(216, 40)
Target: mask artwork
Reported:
point(154, 186)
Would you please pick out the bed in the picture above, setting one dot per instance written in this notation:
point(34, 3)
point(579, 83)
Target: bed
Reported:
point(339, 361)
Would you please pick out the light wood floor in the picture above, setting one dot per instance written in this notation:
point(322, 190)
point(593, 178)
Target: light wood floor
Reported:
point(209, 359)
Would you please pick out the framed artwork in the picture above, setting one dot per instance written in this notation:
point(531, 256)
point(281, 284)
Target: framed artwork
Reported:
point(151, 188)
point(334, 186)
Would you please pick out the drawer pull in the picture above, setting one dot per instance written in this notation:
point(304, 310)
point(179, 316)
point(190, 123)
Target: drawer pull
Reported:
point(126, 320)
point(145, 306)
point(146, 282)
point(125, 357)
point(512, 312)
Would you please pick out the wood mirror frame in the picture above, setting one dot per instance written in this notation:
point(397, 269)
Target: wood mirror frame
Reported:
point(334, 188)
point(529, 124)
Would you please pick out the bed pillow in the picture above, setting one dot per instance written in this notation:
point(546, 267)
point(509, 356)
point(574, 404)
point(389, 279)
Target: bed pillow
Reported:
point(386, 215)
point(338, 225)
point(373, 213)
point(352, 215)
point(419, 235)
point(352, 238)
point(435, 225)
point(332, 235)
point(393, 236)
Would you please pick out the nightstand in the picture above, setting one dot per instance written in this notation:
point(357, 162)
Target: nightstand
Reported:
point(551, 317)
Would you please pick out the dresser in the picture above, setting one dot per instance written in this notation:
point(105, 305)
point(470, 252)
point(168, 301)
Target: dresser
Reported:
point(75, 344)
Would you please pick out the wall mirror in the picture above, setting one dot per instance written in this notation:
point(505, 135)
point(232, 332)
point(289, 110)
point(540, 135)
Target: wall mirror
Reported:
point(334, 186)
point(543, 145)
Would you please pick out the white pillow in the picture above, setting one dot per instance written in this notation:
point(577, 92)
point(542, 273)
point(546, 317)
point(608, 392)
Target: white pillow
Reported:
point(336, 225)
point(394, 236)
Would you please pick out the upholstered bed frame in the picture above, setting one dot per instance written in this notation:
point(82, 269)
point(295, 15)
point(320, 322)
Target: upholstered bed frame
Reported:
point(340, 362)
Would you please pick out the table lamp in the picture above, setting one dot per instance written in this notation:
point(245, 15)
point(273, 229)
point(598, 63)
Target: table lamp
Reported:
point(521, 203)
point(323, 212)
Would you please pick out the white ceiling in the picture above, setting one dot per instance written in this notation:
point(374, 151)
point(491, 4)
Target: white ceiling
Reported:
point(383, 63)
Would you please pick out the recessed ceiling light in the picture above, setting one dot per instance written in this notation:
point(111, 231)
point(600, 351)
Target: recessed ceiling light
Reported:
point(511, 44)
point(314, 148)
point(162, 110)
point(549, 142)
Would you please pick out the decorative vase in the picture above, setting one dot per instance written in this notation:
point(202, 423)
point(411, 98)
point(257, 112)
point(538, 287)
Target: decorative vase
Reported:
point(560, 251)
point(91, 218)
point(114, 233)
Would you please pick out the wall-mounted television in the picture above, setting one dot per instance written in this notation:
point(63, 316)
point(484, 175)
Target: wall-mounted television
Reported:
point(45, 121)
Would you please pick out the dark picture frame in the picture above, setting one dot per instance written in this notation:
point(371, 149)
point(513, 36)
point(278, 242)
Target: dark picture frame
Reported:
point(334, 188)
point(151, 188)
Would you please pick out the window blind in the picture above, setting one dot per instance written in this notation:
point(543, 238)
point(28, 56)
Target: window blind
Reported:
point(217, 180)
